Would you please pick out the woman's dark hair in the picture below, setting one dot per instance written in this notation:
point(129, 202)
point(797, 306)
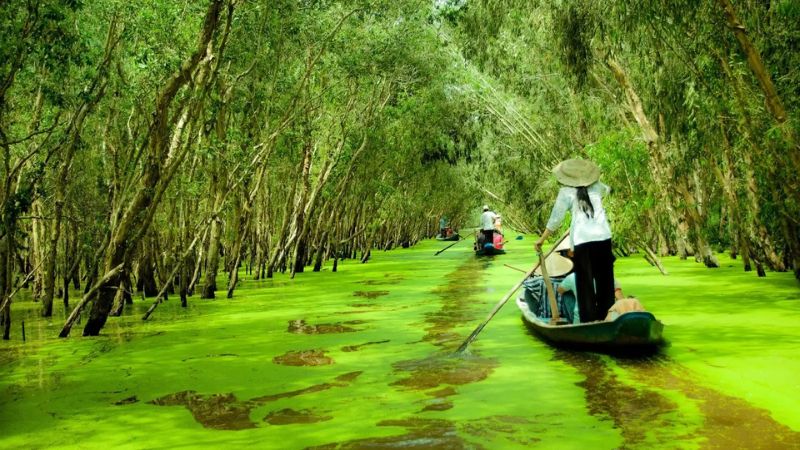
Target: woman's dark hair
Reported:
point(584, 202)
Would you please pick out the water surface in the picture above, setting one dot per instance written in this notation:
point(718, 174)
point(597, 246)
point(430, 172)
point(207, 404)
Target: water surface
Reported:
point(363, 358)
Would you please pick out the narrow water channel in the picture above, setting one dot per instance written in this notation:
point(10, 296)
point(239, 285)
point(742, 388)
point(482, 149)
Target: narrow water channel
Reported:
point(364, 358)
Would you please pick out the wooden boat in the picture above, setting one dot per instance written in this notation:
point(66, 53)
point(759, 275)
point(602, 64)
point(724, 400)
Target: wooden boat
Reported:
point(488, 250)
point(452, 237)
point(630, 331)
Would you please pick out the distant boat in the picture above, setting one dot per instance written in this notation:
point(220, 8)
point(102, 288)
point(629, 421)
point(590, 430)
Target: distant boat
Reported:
point(452, 237)
point(629, 331)
point(488, 250)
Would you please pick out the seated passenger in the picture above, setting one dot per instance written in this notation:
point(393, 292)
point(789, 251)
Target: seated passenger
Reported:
point(564, 249)
point(480, 239)
point(618, 295)
point(568, 285)
point(622, 306)
point(535, 293)
point(498, 240)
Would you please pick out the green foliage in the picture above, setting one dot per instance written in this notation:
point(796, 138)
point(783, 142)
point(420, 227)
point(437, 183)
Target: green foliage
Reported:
point(541, 77)
point(574, 30)
point(330, 126)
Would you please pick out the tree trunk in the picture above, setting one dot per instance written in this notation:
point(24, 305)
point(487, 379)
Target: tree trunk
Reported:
point(653, 258)
point(145, 276)
point(50, 259)
point(695, 222)
point(233, 278)
point(279, 247)
point(138, 216)
point(123, 295)
point(212, 267)
point(197, 272)
point(242, 231)
point(756, 64)
point(6, 248)
point(184, 284)
point(37, 252)
point(296, 238)
point(659, 168)
point(90, 100)
point(756, 232)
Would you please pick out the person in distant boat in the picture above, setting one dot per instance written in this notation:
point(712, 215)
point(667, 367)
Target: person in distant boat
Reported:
point(581, 193)
point(497, 237)
point(487, 225)
point(443, 227)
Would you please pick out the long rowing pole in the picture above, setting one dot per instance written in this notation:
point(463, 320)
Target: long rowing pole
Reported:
point(505, 298)
point(454, 243)
point(516, 268)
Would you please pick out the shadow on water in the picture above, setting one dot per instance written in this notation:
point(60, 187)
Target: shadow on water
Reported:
point(634, 411)
point(437, 370)
point(370, 294)
point(288, 416)
point(355, 348)
point(226, 412)
point(456, 300)
point(218, 411)
point(729, 422)
point(444, 434)
point(439, 375)
point(301, 327)
point(459, 305)
point(422, 433)
point(315, 357)
point(646, 417)
point(388, 279)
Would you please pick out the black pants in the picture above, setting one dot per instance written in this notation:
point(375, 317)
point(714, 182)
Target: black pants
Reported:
point(488, 237)
point(594, 279)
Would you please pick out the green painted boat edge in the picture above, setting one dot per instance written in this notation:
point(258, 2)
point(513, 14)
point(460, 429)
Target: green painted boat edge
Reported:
point(630, 330)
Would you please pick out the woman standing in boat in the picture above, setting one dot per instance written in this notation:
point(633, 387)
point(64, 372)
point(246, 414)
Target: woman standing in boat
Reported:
point(581, 193)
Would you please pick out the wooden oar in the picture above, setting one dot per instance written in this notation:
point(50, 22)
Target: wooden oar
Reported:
point(554, 316)
point(505, 298)
point(516, 268)
point(454, 243)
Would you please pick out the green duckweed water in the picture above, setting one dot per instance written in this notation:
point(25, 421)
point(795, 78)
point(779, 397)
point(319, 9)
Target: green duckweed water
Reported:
point(363, 358)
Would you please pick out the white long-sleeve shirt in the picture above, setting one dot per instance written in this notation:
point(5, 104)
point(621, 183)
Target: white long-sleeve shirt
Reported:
point(487, 220)
point(582, 228)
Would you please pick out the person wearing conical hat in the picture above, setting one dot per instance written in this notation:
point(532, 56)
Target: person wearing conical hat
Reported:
point(536, 294)
point(557, 266)
point(581, 194)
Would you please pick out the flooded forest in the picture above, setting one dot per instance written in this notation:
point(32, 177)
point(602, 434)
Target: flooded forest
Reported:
point(249, 223)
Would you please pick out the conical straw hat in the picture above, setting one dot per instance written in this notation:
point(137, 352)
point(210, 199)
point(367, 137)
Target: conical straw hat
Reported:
point(564, 245)
point(576, 172)
point(557, 266)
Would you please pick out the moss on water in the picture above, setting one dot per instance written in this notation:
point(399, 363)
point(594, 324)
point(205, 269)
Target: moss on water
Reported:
point(214, 374)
